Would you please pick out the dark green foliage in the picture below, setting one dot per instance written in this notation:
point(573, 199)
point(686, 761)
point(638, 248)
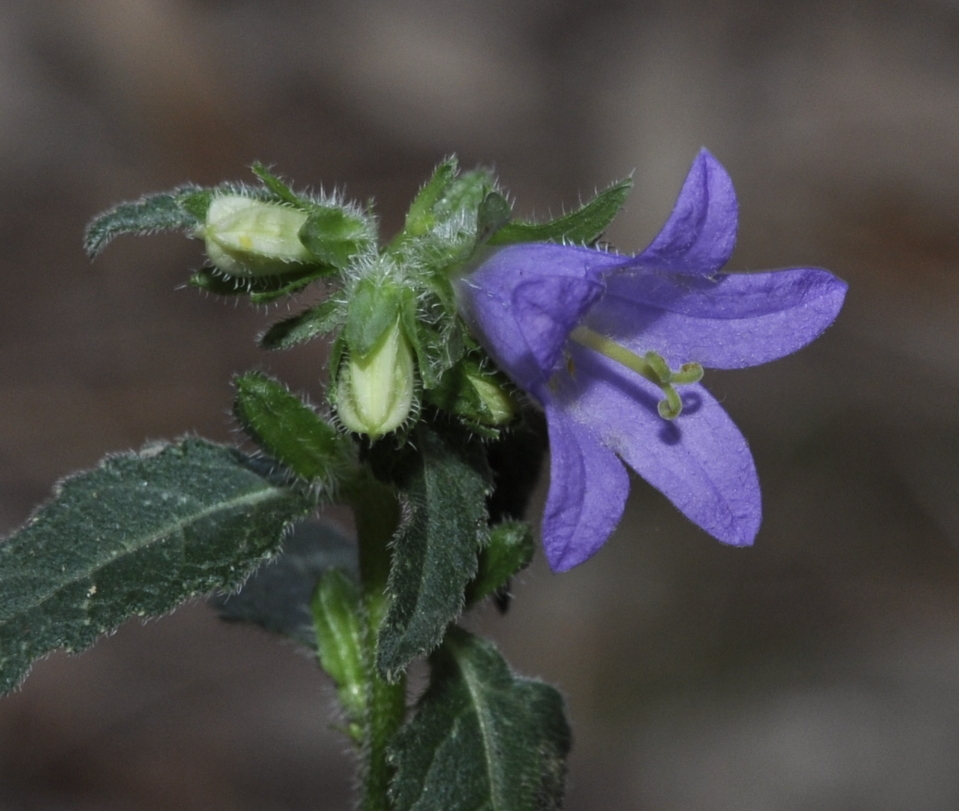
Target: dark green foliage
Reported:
point(304, 326)
point(148, 215)
point(444, 486)
point(583, 226)
point(290, 431)
point(136, 536)
point(510, 550)
point(260, 289)
point(278, 595)
point(482, 739)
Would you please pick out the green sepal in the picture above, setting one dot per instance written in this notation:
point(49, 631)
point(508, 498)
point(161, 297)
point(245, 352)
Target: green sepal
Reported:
point(291, 431)
point(304, 326)
point(148, 215)
point(280, 190)
point(467, 391)
point(337, 618)
point(493, 213)
point(196, 202)
point(463, 195)
point(260, 289)
point(333, 236)
point(136, 536)
point(420, 218)
point(438, 346)
point(374, 308)
point(582, 227)
point(482, 738)
point(443, 485)
point(278, 597)
point(510, 549)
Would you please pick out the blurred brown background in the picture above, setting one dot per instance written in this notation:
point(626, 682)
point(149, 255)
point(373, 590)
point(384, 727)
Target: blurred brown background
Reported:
point(818, 670)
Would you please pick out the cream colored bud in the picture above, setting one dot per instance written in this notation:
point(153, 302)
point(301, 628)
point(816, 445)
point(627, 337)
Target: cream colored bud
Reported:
point(375, 393)
point(247, 237)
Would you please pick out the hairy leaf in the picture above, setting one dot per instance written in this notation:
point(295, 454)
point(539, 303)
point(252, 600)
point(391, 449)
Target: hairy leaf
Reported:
point(435, 550)
point(148, 215)
point(304, 326)
point(482, 739)
point(510, 550)
point(290, 431)
point(135, 537)
point(583, 226)
point(278, 595)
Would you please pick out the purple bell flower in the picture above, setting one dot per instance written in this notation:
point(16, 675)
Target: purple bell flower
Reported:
point(613, 347)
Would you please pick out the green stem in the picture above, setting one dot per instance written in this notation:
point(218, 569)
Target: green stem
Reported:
point(377, 514)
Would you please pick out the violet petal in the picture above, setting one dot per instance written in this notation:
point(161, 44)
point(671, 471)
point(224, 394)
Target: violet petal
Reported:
point(587, 492)
point(726, 322)
point(699, 461)
point(700, 234)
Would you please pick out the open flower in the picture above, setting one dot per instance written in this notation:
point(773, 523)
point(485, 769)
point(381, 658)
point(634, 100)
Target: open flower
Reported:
point(613, 347)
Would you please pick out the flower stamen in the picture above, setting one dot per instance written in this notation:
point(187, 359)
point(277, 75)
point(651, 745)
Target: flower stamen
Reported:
point(651, 366)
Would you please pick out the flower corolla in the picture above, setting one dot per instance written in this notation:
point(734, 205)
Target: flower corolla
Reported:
point(612, 347)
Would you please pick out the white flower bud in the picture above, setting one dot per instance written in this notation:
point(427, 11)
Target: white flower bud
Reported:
point(246, 237)
point(374, 393)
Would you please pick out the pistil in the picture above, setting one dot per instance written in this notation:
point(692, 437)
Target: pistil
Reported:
point(650, 365)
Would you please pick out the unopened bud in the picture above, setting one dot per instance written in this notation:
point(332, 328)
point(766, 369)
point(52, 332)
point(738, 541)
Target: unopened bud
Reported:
point(374, 393)
point(498, 406)
point(246, 237)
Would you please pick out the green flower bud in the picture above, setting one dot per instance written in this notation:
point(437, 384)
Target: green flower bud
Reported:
point(374, 392)
point(246, 237)
point(498, 405)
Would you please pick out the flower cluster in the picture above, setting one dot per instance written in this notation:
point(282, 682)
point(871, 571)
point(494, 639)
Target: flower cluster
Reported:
point(602, 341)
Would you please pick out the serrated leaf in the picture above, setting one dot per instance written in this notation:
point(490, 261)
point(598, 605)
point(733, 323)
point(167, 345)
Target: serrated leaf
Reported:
point(510, 550)
point(277, 597)
point(290, 431)
point(482, 739)
point(435, 550)
point(305, 326)
point(148, 215)
point(135, 537)
point(583, 226)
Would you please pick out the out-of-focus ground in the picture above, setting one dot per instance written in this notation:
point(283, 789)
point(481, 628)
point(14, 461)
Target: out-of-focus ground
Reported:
point(819, 669)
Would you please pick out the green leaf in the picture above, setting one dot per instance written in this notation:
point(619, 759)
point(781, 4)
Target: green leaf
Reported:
point(435, 550)
point(304, 326)
point(278, 595)
point(338, 619)
point(290, 431)
point(148, 215)
point(482, 739)
point(583, 226)
point(136, 536)
point(510, 550)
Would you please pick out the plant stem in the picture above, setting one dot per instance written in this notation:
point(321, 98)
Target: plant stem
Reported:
point(377, 514)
